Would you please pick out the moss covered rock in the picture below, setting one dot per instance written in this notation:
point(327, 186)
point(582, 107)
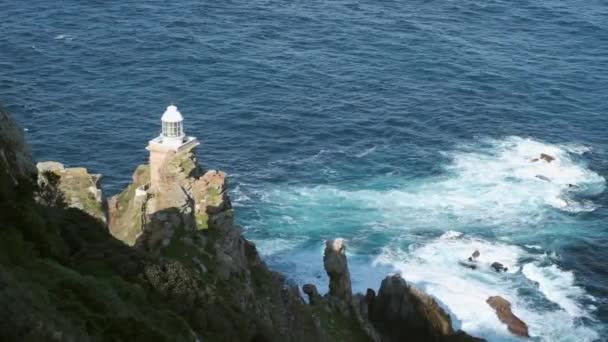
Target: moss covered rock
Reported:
point(73, 187)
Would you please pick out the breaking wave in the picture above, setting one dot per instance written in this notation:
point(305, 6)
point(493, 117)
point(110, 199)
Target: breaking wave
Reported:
point(494, 195)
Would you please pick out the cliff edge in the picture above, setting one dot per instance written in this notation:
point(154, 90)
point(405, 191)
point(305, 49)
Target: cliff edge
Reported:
point(169, 265)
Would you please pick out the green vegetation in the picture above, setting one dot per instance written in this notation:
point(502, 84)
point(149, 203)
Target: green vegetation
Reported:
point(202, 221)
point(52, 271)
point(214, 197)
point(63, 277)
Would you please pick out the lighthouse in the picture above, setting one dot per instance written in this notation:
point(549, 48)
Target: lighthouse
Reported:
point(172, 140)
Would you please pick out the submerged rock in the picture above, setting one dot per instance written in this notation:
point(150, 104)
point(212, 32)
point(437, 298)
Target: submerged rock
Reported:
point(498, 267)
point(468, 263)
point(546, 157)
point(503, 311)
point(543, 178)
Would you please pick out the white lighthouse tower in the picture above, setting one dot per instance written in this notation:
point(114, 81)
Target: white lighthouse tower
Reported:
point(171, 140)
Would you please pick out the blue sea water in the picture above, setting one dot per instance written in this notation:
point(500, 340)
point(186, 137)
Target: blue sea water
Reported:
point(406, 127)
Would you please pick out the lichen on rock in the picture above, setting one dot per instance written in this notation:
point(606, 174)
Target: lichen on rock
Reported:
point(71, 187)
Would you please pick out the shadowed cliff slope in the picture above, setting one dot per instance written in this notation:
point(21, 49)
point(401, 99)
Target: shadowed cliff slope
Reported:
point(182, 272)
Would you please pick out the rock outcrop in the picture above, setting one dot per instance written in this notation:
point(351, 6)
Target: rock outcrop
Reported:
point(313, 294)
point(546, 157)
point(399, 312)
point(334, 260)
point(186, 199)
point(504, 313)
point(498, 267)
point(72, 187)
point(174, 268)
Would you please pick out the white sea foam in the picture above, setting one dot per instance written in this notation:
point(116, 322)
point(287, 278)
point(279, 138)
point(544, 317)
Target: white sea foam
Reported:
point(434, 267)
point(558, 286)
point(64, 37)
point(492, 184)
point(496, 183)
point(239, 196)
point(365, 152)
point(269, 247)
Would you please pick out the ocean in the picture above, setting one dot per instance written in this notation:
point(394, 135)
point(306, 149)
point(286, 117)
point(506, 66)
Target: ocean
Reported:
point(408, 128)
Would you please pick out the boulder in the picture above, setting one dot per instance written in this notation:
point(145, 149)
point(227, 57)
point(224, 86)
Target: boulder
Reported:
point(336, 266)
point(401, 312)
point(474, 256)
point(546, 157)
point(498, 267)
point(503, 311)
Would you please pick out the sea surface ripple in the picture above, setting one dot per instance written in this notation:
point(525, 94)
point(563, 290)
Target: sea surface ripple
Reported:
point(407, 127)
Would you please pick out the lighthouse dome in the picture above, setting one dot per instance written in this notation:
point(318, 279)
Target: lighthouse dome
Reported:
point(172, 127)
point(172, 115)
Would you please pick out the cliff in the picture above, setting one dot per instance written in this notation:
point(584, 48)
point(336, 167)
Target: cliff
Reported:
point(169, 265)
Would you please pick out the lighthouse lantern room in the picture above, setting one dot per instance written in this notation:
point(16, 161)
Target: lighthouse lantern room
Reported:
point(172, 139)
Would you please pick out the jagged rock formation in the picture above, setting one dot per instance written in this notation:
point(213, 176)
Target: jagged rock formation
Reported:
point(71, 187)
point(185, 199)
point(399, 312)
point(175, 267)
point(188, 217)
point(504, 313)
point(334, 260)
point(313, 294)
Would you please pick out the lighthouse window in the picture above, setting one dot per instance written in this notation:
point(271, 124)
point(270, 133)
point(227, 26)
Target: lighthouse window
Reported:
point(172, 129)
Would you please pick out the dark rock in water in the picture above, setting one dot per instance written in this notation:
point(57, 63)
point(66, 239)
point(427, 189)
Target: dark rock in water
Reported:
point(474, 256)
point(498, 267)
point(336, 266)
point(546, 157)
point(541, 177)
point(468, 264)
point(503, 311)
point(401, 312)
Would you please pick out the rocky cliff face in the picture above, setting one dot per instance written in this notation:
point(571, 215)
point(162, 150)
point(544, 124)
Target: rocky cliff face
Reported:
point(17, 170)
point(174, 268)
point(186, 199)
point(399, 312)
point(74, 187)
